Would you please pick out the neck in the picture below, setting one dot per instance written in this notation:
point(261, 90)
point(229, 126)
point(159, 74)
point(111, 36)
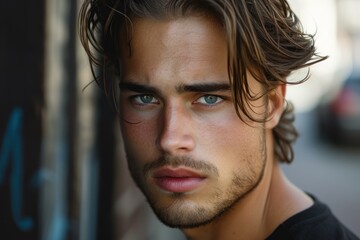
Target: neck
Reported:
point(273, 201)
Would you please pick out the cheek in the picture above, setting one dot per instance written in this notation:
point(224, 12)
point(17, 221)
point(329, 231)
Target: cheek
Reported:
point(138, 138)
point(229, 142)
point(224, 130)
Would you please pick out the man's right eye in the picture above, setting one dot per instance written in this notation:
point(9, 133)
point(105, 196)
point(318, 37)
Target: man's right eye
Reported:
point(144, 99)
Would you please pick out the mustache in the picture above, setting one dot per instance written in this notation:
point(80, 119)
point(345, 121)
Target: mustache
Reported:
point(185, 161)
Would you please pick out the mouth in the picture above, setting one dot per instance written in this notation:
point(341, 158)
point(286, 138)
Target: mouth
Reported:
point(178, 180)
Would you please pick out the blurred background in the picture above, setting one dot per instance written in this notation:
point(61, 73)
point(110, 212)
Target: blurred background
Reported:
point(62, 169)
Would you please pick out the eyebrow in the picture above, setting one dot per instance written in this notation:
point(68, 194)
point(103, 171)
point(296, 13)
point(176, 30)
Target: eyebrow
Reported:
point(201, 87)
point(135, 87)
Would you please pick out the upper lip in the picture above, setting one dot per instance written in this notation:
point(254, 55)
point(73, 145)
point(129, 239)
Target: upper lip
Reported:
point(176, 173)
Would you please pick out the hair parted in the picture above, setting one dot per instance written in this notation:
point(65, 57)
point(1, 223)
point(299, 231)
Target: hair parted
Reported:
point(263, 37)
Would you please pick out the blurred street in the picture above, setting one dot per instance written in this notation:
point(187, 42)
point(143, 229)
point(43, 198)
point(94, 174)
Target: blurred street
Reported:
point(331, 173)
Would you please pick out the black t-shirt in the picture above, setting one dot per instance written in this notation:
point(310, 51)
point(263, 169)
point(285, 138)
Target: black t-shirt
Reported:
point(314, 223)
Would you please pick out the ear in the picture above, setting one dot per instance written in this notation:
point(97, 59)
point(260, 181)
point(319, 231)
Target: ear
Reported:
point(276, 101)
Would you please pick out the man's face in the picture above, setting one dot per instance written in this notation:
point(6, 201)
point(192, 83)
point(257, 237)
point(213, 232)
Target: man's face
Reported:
point(187, 150)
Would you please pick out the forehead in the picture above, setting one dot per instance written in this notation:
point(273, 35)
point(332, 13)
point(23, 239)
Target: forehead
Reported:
point(193, 44)
point(196, 32)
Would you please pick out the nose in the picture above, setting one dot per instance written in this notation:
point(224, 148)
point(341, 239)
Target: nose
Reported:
point(176, 135)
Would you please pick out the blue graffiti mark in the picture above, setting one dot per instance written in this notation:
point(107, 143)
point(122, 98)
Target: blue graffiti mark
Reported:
point(12, 146)
point(41, 176)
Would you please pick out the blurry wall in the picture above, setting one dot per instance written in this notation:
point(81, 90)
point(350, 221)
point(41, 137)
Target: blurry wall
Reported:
point(21, 124)
point(57, 143)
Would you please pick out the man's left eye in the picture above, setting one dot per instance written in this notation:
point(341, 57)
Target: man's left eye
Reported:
point(209, 100)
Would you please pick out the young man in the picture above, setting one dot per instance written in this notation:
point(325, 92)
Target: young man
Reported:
point(203, 112)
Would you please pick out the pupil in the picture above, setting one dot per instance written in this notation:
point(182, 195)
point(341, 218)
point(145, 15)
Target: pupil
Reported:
point(210, 99)
point(146, 99)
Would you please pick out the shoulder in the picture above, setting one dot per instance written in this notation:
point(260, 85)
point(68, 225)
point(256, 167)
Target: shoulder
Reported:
point(316, 222)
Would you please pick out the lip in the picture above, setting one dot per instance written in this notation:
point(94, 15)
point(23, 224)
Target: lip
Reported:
point(178, 180)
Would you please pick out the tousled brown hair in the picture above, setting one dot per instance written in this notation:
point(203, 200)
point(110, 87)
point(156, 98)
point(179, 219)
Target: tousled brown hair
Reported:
point(263, 37)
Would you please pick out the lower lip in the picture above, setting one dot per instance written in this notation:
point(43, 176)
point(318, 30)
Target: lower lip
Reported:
point(179, 184)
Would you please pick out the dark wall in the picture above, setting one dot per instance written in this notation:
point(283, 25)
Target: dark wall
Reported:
point(21, 101)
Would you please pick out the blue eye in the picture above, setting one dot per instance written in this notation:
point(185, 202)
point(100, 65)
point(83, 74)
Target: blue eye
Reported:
point(145, 99)
point(210, 99)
